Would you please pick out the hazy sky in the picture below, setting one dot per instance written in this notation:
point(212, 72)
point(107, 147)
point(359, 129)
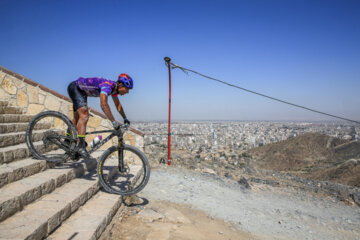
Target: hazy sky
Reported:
point(306, 52)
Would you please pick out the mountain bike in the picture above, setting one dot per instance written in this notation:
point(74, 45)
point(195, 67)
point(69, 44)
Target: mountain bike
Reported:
point(122, 169)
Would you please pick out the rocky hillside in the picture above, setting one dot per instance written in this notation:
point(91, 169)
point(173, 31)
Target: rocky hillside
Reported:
point(312, 155)
point(311, 162)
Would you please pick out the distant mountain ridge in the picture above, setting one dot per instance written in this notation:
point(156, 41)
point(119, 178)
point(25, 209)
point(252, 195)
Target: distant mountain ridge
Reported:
point(313, 155)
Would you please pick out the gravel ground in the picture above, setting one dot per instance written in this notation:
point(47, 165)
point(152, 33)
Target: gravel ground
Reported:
point(265, 211)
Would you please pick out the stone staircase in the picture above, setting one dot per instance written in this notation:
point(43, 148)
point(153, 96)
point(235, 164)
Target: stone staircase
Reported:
point(40, 200)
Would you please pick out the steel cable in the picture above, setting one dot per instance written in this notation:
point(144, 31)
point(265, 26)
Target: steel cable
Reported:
point(173, 66)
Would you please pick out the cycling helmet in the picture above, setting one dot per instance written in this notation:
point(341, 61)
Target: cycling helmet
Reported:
point(126, 80)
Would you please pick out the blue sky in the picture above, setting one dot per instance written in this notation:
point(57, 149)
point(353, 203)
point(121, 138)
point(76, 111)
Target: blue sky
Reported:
point(306, 52)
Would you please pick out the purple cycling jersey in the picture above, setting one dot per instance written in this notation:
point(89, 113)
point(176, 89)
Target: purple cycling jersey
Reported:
point(93, 87)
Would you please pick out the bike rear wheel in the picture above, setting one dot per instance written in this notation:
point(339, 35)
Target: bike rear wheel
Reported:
point(46, 136)
point(130, 182)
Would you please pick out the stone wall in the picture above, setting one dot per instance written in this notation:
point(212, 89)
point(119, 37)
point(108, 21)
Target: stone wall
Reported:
point(33, 98)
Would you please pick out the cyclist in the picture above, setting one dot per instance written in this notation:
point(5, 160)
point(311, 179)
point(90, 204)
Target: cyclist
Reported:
point(82, 88)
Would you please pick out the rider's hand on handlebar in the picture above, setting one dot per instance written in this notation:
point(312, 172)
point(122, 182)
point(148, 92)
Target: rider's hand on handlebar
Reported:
point(116, 125)
point(126, 121)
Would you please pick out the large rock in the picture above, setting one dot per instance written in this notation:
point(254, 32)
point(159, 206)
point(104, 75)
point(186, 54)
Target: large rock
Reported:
point(58, 123)
point(22, 99)
point(33, 94)
point(42, 99)
point(64, 107)
point(34, 109)
point(8, 85)
point(3, 95)
point(19, 84)
point(52, 103)
point(94, 122)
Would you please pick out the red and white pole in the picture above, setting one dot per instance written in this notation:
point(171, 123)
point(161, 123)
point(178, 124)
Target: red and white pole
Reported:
point(167, 60)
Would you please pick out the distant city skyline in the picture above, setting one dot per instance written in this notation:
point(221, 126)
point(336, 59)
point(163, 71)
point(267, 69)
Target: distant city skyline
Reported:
point(232, 137)
point(305, 52)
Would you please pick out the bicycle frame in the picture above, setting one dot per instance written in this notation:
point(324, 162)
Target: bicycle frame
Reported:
point(119, 133)
point(102, 142)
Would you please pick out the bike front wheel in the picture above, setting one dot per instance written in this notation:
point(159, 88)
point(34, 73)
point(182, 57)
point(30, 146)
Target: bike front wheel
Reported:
point(125, 180)
point(46, 136)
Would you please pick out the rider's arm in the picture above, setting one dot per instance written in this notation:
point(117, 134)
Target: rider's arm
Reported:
point(105, 106)
point(119, 107)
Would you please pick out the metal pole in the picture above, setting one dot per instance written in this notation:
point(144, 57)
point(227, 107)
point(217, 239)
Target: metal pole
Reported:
point(167, 60)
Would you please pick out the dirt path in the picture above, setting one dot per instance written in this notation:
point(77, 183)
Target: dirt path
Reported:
point(264, 211)
point(165, 220)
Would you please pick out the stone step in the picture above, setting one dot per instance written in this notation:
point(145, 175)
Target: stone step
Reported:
point(16, 195)
point(43, 216)
point(15, 118)
point(10, 139)
point(90, 221)
point(13, 127)
point(4, 104)
point(20, 151)
point(16, 152)
point(10, 110)
point(21, 127)
point(20, 169)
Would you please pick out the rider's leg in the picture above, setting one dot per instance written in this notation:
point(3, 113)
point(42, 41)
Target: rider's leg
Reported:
point(79, 100)
point(83, 113)
point(74, 121)
point(76, 118)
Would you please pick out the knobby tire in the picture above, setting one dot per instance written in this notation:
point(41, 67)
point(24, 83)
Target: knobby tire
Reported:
point(110, 188)
point(36, 153)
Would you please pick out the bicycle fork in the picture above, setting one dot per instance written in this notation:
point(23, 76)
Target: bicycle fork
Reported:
point(121, 164)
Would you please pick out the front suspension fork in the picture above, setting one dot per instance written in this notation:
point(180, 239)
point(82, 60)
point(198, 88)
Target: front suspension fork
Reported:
point(121, 163)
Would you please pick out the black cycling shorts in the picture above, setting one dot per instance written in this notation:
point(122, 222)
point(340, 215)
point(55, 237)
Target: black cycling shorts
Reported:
point(78, 96)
